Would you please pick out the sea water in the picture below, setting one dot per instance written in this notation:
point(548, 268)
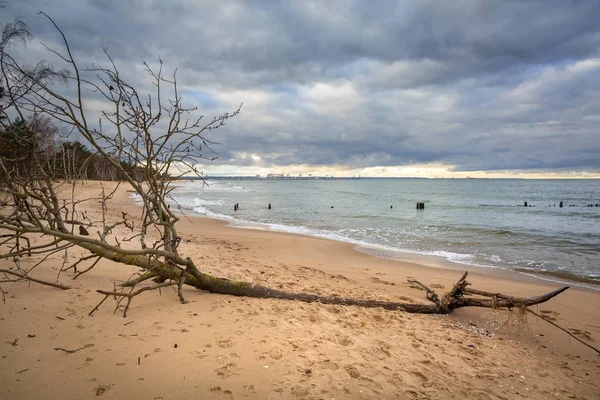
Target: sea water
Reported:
point(477, 222)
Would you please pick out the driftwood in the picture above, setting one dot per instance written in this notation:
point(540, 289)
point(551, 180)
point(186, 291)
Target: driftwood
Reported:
point(455, 298)
point(452, 300)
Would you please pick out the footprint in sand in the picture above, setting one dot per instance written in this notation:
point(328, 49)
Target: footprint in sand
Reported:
point(199, 355)
point(226, 370)
point(330, 365)
point(299, 391)
point(550, 315)
point(381, 281)
point(226, 393)
point(276, 354)
point(249, 388)
point(225, 344)
point(352, 371)
point(579, 332)
point(420, 378)
point(380, 353)
point(100, 390)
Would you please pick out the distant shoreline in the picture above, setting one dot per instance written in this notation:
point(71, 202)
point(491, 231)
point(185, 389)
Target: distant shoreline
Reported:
point(326, 177)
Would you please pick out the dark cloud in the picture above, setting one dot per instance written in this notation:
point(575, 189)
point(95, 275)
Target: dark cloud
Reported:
point(480, 85)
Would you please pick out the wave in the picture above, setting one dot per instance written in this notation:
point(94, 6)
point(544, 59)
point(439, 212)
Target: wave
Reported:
point(452, 239)
point(224, 187)
point(197, 201)
point(563, 276)
point(393, 252)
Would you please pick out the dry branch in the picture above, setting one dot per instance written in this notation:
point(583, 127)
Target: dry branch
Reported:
point(32, 279)
point(129, 296)
point(68, 351)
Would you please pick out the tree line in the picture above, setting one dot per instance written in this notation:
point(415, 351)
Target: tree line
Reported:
point(35, 144)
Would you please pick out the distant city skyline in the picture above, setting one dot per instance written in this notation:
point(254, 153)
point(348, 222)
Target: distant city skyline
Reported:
point(391, 88)
point(416, 171)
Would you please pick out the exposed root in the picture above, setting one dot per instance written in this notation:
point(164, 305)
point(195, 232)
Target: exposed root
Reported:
point(564, 330)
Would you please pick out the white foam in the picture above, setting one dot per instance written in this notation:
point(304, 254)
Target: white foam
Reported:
point(495, 258)
point(450, 256)
point(203, 202)
point(214, 186)
point(210, 214)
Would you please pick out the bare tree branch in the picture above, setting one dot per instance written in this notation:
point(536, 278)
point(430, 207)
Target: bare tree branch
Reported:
point(32, 279)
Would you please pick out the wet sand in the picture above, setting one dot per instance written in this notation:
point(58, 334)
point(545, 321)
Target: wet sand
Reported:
point(219, 346)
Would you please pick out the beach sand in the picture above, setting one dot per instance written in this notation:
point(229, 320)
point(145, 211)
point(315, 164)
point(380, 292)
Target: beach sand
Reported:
point(225, 347)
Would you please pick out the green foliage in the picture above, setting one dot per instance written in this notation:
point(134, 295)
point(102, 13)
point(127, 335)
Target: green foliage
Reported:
point(17, 142)
point(32, 147)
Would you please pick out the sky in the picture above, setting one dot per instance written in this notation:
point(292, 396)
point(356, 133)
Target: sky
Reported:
point(372, 88)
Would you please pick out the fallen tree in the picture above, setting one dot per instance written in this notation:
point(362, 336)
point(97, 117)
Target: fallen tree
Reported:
point(162, 141)
point(455, 298)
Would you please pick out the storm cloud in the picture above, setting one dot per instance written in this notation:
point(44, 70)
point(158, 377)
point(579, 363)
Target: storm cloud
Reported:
point(511, 85)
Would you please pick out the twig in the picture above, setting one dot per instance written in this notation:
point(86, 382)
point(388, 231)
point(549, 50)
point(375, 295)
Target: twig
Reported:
point(98, 305)
point(74, 265)
point(129, 296)
point(3, 295)
point(88, 269)
point(75, 350)
point(29, 278)
point(431, 295)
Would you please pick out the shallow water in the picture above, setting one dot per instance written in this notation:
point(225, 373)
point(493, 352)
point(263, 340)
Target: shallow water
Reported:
point(477, 222)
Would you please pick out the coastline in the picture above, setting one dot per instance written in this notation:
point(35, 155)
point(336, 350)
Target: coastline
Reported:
point(428, 260)
point(546, 259)
point(252, 348)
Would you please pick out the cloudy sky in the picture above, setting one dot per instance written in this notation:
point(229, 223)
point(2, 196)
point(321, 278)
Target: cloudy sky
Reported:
point(382, 88)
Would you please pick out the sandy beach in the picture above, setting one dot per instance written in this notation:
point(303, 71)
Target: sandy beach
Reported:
point(219, 346)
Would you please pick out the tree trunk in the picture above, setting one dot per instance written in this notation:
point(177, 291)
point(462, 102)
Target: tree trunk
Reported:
point(450, 301)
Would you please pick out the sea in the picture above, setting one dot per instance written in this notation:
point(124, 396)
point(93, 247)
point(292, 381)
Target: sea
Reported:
point(480, 223)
